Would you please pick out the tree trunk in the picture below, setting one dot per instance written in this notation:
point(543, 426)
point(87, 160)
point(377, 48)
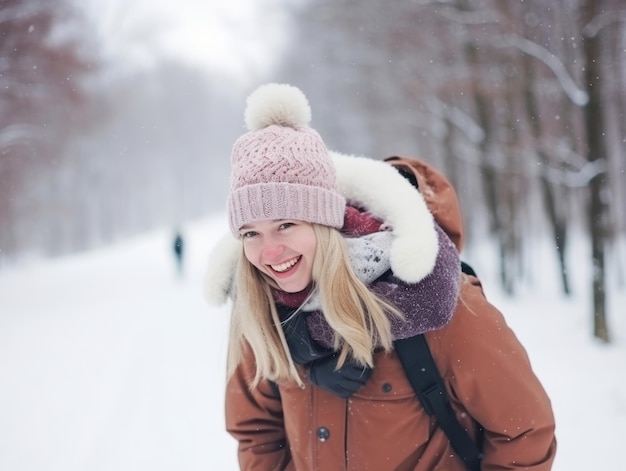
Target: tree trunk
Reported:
point(558, 225)
point(596, 149)
point(557, 221)
point(488, 172)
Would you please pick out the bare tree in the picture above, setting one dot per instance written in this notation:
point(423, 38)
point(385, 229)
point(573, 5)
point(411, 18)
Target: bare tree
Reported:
point(554, 198)
point(597, 209)
point(41, 104)
point(490, 91)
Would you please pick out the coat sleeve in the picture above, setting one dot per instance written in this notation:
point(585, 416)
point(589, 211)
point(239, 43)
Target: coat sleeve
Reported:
point(490, 376)
point(254, 418)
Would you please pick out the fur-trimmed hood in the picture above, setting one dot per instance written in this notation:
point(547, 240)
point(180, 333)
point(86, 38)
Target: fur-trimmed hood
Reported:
point(382, 191)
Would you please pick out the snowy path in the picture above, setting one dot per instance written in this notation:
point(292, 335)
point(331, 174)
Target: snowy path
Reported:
point(108, 361)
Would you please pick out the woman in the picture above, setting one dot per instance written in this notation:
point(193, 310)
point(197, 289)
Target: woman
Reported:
point(320, 291)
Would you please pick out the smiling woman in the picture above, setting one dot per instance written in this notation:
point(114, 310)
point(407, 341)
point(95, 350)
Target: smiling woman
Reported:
point(319, 306)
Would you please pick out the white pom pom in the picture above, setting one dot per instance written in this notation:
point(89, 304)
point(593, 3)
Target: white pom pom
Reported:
point(276, 103)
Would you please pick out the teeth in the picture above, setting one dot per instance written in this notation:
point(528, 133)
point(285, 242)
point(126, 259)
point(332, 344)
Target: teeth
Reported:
point(285, 266)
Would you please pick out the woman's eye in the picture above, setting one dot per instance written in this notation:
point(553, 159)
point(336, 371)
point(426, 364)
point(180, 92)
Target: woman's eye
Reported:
point(286, 225)
point(249, 234)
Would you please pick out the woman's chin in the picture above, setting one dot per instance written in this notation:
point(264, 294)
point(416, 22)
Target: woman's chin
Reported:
point(289, 288)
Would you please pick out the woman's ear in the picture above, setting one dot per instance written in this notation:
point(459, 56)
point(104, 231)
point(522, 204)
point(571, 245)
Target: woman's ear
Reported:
point(223, 261)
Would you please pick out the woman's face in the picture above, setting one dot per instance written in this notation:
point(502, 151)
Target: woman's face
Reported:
point(282, 249)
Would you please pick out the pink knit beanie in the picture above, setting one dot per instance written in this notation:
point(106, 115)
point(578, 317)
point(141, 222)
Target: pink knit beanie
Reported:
point(281, 168)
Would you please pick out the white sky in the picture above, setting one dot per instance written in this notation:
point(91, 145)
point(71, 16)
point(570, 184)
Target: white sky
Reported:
point(235, 37)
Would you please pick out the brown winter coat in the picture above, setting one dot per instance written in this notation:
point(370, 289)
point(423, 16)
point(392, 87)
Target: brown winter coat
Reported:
point(383, 425)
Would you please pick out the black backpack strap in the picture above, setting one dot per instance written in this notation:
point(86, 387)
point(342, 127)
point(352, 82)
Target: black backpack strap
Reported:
point(274, 387)
point(467, 269)
point(423, 375)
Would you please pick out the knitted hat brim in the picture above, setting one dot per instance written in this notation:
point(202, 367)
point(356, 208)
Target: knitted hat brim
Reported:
point(278, 200)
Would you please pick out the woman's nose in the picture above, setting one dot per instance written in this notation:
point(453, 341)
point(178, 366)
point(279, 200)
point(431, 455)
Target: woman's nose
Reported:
point(272, 250)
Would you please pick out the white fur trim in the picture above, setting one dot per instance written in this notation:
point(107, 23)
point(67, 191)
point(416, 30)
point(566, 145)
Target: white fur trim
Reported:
point(276, 103)
point(222, 264)
point(388, 195)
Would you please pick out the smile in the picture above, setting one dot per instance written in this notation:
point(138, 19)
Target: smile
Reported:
point(283, 267)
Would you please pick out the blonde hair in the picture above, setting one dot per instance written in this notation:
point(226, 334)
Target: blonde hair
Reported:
point(357, 316)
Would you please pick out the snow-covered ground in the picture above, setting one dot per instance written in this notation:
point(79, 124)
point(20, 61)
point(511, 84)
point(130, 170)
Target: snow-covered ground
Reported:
point(109, 361)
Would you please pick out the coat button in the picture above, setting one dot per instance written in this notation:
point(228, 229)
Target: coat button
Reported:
point(323, 433)
point(386, 387)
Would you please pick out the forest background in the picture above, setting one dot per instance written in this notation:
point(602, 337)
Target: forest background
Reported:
point(109, 129)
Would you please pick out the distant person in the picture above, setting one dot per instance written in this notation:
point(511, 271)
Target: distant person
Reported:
point(179, 252)
point(324, 280)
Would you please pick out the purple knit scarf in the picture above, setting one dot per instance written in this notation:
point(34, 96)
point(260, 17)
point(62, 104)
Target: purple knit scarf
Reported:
point(426, 305)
